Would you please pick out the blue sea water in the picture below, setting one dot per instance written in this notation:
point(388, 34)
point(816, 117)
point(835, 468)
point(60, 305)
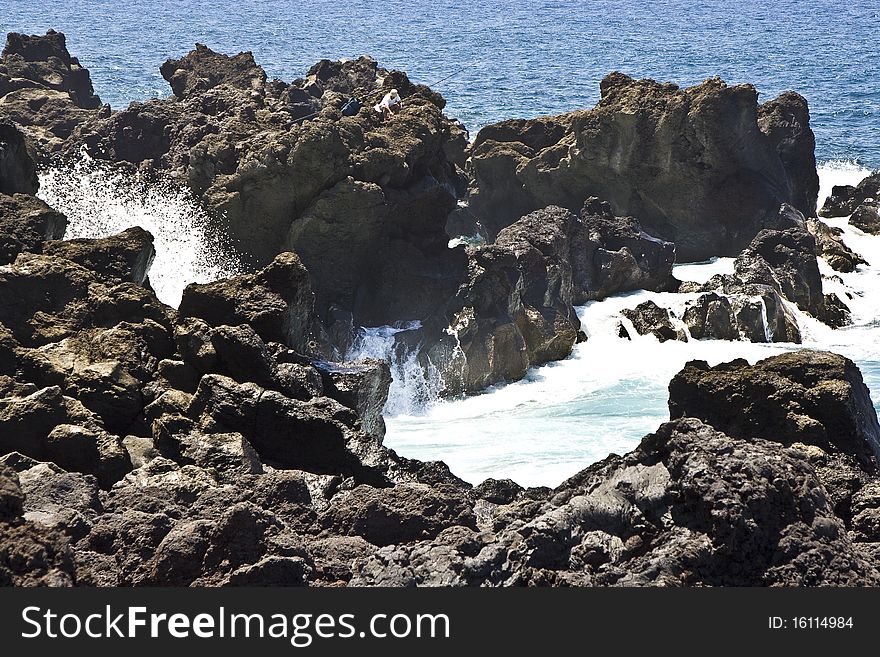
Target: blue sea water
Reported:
point(525, 57)
point(507, 59)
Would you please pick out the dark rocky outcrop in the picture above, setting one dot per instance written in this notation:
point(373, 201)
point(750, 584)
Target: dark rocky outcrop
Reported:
point(813, 401)
point(211, 446)
point(125, 257)
point(845, 199)
point(779, 265)
point(26, 223)
point(515, 310)
point(810, 397)
point(45, 91)
point(641, 145)
point(648, 317)
point(18, 172)
point(616, 255)
point(831, 246)
point(277, 302)
point(362, 202)
point(30, 555)
point(786, 122)
point(866, 217)
point(403, 514)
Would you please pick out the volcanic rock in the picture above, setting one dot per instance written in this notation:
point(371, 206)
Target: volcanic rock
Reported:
point(648, 317)
point(812, 397)
point(125, 257)
point(845, 199)
point(831, 246)
point(44, 90)
point(641, 145)
point(26, 223)
point(401, 514)
point(18, 171)
point(276, 302)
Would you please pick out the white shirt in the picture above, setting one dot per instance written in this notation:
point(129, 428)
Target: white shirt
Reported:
point(389, 100)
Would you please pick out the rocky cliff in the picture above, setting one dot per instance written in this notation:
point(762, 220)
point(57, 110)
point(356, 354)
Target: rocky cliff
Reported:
point(706, 167)
point(142, 445)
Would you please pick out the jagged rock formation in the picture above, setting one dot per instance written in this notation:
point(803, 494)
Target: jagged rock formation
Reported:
point(845, 199)
point(140, 445)
point(778, 265)
point(648, 317)
point(18, 172)
point(362, 202)
point(45, 91)
point(640, 146)
point(515, 310)
point(830, 246)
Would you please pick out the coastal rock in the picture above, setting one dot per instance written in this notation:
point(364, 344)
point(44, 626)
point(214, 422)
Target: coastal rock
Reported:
point(690, 506)
point(786, 122)
point(786, 261)
point(515, 310)
point(845, 199)
point(276, 302)
point(30, 554)
point(67, 501)
point(402, 514)
point(26, 224)
point(286, 432)
point(648, 317)
point(44, 90)
point(618, 256)
point(125, 257)
point(812, 397)
point(866, 217)
point(363, 202)
point(755, 313)
point(361, 386)
point(203, 69)
point(50, 427)
point(637, 148)
point(18, 171)
point(46, 299)
point(831, 247)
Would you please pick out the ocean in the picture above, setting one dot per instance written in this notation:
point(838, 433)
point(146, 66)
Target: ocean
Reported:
point(507, 59)
point(523, 58)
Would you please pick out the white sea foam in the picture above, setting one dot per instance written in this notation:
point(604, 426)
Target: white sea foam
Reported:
point(414, 387)
point(100, 201)
point(611, 391)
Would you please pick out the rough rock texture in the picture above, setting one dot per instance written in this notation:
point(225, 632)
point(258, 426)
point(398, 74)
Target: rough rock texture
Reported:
point(786, 122)
point(641, 145)
point(845, 199)
point(361, 201)
point(210, 447)
point(44, 90)
point(866, 217)
point(125, 257)
point(515, 310)
point(30, 555)
point(618, 256)
point(779, 265)
point(648, 317)
point(812, 397)
point(830, 246)
point(18, 173)
point(26, 223)
point(690, 506)
point(277, 301)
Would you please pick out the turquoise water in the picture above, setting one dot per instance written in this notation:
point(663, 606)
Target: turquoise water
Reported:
point(527, 58)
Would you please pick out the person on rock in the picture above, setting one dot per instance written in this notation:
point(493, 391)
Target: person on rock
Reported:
point(389, 104)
